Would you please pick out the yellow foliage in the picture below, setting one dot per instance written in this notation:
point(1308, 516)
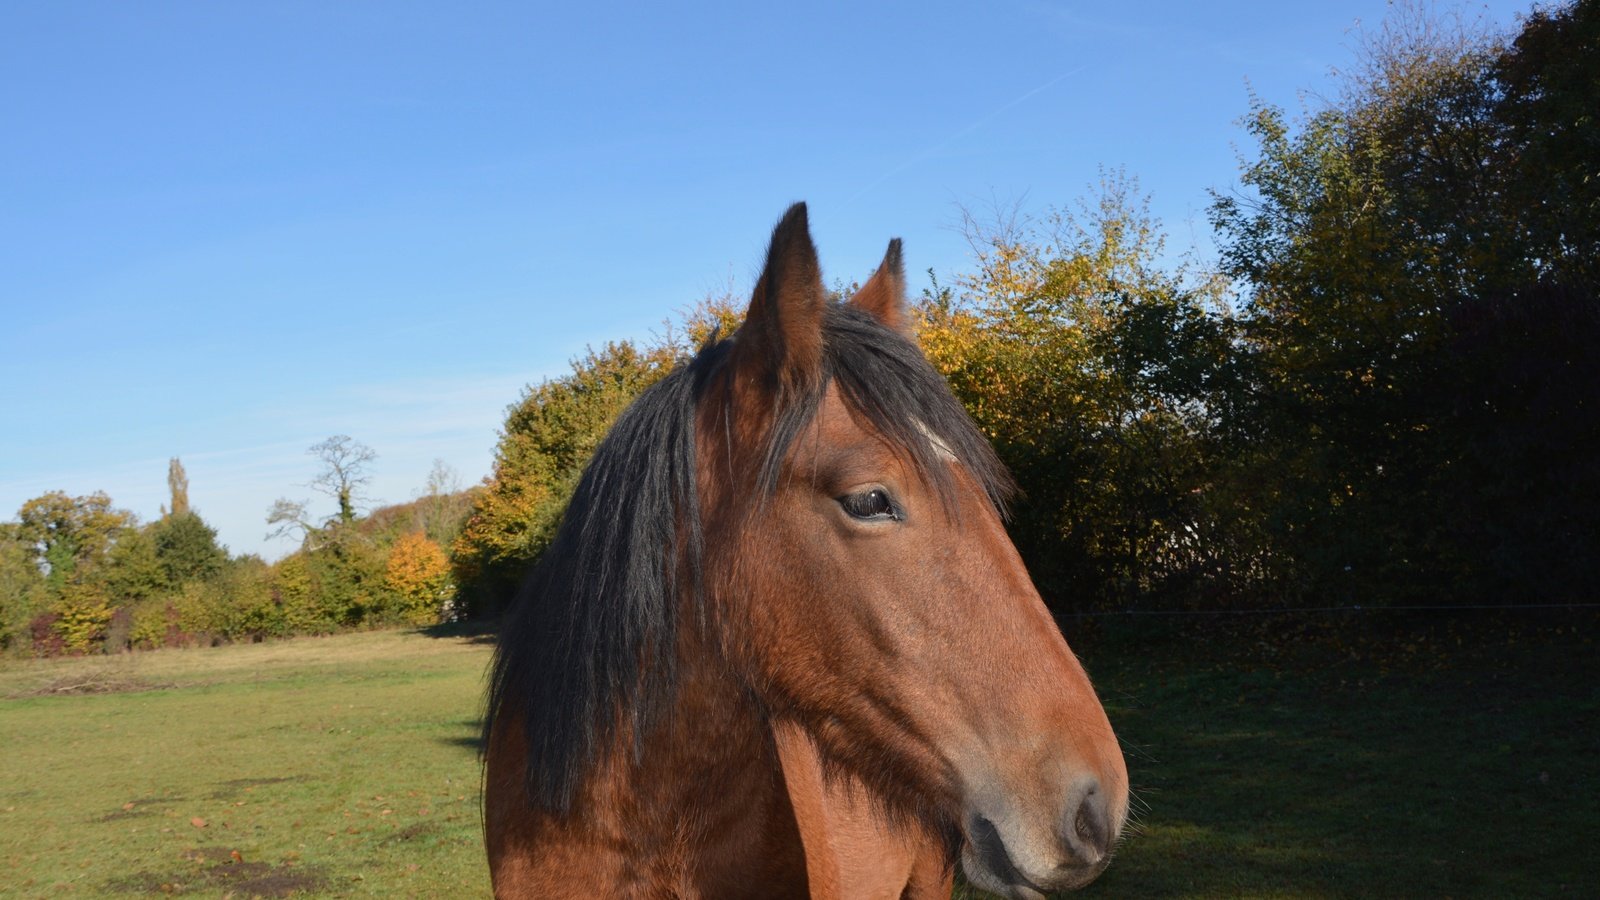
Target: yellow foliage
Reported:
point(85, 613)
point(197, 608)
point(294, 586)
point(419, 574)
point(151, 619)
point(713, 317)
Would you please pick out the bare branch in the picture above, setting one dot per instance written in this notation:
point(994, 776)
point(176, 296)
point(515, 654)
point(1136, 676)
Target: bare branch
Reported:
point(345, 462)
point(288, 518)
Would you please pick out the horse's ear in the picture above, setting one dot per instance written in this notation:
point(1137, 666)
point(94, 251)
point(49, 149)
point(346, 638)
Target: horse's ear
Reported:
point(780, 341)
point(884, 294)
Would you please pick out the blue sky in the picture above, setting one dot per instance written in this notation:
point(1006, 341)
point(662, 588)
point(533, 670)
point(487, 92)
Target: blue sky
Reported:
point(228, 231)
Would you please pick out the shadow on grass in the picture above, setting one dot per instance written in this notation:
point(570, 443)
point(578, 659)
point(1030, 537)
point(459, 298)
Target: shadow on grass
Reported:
point(1460, 772)
point(471, 740)
point(227, 790)
point(475, 631)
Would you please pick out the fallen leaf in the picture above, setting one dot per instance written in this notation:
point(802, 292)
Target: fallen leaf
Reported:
point(237, 856)
point(197, 822)
point(127, 806)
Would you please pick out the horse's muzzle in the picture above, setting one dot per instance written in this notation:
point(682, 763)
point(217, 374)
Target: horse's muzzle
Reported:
point(1012, 865)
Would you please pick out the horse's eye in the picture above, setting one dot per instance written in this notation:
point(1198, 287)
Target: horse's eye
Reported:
point(870, 504)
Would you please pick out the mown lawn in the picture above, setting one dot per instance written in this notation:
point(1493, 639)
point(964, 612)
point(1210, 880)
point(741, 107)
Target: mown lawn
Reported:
point(1269, 763)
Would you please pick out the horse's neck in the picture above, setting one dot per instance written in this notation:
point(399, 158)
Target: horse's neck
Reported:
point(701, 811)
point(852, 849)
point(705, 801)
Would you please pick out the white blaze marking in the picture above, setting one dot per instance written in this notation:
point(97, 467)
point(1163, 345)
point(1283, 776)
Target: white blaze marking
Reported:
point(938, 443)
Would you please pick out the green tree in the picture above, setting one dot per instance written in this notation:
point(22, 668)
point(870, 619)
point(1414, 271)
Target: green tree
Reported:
point(548, 437)
point(293, 582)
point(1373, 239)
point(135, 572)
point(1548, 80)
point(186, 548)
point(157, 560)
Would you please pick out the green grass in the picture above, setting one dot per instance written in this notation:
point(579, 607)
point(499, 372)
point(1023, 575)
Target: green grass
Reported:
point(1446, 762)
point(340, 766)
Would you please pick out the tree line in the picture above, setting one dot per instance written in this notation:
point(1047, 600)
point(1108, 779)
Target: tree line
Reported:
point(1384, 391)
point(78, 575)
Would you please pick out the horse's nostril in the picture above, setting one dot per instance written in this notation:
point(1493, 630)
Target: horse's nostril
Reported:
point(1089, 836)
point(992, 850)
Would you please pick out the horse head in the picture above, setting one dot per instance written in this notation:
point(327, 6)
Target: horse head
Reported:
point(860, 582)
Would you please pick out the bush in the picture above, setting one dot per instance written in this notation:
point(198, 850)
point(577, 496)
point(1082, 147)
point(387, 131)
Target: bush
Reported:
point(294, 588)
point(84, 614)
point(119, 632)
point(155, 624)
point(251, 612)
point(198, 611)
point(44, 637)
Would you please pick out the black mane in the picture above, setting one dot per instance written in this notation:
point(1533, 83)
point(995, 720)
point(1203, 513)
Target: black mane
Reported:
point(603, 598)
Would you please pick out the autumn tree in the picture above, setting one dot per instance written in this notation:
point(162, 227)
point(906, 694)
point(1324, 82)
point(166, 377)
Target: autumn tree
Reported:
point(70, 536)
point(1099, 376)
point(418, 572)
point(22, 587)
point(70, 539)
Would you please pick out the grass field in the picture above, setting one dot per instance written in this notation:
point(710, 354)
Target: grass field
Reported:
point(338, 766)
point(1366, 759)
point(1448, 763)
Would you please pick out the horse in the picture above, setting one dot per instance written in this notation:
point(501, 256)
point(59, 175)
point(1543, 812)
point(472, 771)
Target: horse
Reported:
point(781, 644)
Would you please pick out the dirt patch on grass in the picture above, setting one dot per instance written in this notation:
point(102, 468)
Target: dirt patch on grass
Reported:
point(412, 832)
point(139, 806)
point(93, 683)
point(217, 871)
